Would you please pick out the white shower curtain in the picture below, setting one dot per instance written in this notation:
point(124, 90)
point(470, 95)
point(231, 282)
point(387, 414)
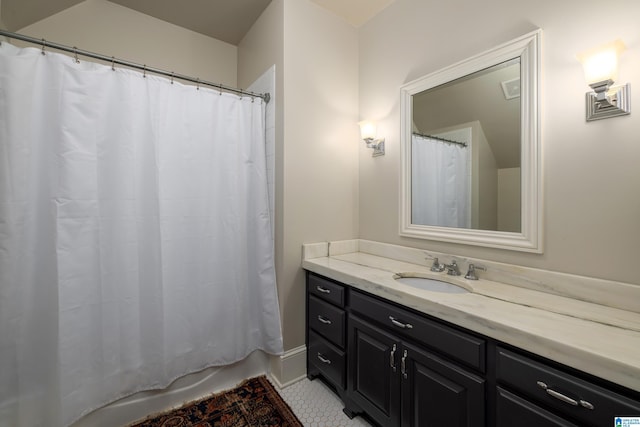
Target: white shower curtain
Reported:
point(135, 242)
point(440, 183)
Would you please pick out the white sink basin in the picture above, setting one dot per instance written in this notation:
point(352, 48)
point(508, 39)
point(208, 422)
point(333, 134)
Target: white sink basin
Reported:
point(428, 284)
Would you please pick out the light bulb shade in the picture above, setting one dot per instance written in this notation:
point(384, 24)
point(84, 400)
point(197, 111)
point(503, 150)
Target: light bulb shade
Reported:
point(601, 63)
point(367, 129)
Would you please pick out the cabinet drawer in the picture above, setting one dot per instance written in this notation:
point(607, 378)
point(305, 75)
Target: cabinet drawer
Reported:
point(327, 320)
point(326, 289)
point(329, 359)
point(571, 396)
point(512, 410)
point(455, 344)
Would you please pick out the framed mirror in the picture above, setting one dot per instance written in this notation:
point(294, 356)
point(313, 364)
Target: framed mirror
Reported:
point(470, 150)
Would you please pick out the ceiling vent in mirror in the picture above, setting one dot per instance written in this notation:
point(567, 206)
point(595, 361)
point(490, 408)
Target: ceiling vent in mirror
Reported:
point(511, 88)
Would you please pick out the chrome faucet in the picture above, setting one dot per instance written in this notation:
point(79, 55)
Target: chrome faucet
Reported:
point(452, 269)
point(436, 266)
point(471, 272)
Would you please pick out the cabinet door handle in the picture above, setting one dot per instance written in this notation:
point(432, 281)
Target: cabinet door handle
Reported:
point(558, 395)
point(323, 359)
point(403, 365)
point(392, 358)
point(324, 320)
point(400, 324)
point(323, 290)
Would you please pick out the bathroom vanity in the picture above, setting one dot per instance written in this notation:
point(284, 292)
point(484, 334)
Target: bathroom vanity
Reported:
point(498, 355)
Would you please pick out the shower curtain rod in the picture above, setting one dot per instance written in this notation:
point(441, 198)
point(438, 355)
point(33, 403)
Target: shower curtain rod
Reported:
point(437, 138)
point(44, 43)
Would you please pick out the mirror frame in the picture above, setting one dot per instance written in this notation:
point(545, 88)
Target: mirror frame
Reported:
point(527, 48)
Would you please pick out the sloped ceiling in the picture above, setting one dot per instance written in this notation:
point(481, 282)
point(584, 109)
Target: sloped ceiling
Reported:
point(226, 20)
point(355, 12)
point(17, 14)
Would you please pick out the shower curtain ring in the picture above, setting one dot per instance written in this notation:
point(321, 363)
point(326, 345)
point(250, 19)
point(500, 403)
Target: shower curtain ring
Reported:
point(220, 89)
point(43, 45)
point(113, 60)
point(144, 71)
point(75, 55)
point(198, 83)
point(172, 77)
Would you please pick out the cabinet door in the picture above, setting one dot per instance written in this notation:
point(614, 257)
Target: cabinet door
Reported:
point(374, 381)
point(513, 410)
point(438, 393)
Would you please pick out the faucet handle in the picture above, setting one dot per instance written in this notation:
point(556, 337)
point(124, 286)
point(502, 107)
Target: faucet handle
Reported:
point(436, 266)
point(471, 272)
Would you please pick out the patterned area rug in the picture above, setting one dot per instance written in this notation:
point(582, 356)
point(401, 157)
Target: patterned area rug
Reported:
point(254, 403)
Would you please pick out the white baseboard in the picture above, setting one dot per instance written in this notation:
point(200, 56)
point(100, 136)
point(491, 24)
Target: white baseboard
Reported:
point(289, 368)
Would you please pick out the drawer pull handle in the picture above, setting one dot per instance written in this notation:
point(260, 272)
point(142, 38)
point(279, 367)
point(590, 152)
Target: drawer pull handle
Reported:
point(323, 359)
point(392, 358)
point(400, 324)
point(557, 395)
point(324, 320)
point(403, 365)
point(323, 290)
point(587, 405)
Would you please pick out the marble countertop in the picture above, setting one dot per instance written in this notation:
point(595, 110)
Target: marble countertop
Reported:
point(600, 340)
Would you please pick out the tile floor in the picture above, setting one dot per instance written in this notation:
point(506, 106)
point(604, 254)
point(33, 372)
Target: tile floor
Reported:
point(316, 405)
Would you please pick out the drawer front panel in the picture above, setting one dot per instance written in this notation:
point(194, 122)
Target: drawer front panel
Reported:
point(458, 345)
point(329, 359)
point(577, 398)
point(326, 289)
point(515, 411)
point(327, 320)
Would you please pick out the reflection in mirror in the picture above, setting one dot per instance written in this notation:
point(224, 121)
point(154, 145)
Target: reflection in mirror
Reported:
point(465, 151)
point(471, 152)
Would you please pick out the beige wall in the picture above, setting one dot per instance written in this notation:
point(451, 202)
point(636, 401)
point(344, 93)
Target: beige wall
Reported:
point(591, 173)
point(320, 143)
point(2, 25)
point(317, 147)
point(509, 199)
point(487, 181)
point(107, 28)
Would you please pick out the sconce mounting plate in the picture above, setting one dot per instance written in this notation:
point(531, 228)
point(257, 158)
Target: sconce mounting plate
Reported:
point(377, 145)
point(617, 103)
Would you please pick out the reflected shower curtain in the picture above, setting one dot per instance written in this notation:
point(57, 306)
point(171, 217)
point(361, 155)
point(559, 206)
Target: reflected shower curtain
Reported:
point(135, 242)
point(440, 183)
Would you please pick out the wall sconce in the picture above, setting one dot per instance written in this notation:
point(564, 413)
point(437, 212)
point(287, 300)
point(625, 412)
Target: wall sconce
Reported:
point(368, 133)
point(601, 71)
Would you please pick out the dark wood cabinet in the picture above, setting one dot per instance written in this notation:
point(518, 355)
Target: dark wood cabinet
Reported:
point(437, 392)
point(326, 332)
point(374, 380)
point(464, 348)
point(559, 391)
point(403, 368)
point(398, 383)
